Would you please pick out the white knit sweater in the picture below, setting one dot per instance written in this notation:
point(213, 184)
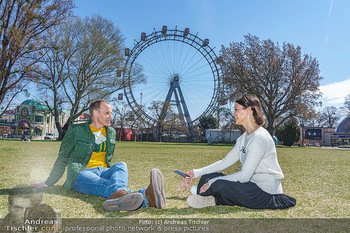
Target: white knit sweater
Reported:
point(257, 154)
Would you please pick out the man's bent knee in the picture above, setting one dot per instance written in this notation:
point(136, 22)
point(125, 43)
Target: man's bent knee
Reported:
point(120, 164)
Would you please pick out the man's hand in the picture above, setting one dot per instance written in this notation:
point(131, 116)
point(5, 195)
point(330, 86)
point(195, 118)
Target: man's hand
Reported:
point(40, 184)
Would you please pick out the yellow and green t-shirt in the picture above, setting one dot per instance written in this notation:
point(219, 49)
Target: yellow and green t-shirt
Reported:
point(98, 158)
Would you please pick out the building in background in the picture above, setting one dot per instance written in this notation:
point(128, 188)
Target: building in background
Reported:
point(341, 136)
point(7, 124)
point(124, 134)
point(328, 136)
point(30, 118)
point(221, 136)
point(315, 136)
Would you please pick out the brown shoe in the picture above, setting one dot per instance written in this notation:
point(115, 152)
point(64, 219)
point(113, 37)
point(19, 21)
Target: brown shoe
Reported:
point(123, 200)
point(119, 194)
point(155, 191)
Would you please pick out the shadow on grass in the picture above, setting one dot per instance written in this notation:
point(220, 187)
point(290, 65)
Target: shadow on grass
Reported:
point(31, 193)
point(183, 212)
point(96, 202)
point(176, 198)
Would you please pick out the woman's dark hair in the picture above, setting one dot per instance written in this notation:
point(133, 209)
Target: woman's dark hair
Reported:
point(253, 102)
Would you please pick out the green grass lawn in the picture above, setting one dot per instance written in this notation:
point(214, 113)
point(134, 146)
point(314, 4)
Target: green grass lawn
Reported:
point(318, 178)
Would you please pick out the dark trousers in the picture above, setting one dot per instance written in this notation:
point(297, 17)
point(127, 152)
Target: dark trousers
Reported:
point(243, 194)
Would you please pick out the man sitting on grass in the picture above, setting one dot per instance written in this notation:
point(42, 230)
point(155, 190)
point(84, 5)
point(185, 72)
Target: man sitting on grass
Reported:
point(87, 150)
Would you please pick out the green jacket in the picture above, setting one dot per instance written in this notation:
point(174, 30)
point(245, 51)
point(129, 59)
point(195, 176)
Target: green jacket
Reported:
point(75, 153)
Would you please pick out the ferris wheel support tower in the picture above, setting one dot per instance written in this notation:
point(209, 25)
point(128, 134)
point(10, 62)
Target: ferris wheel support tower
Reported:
point(180, 104)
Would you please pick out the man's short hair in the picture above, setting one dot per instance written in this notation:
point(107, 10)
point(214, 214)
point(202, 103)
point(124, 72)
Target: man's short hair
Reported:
point(95, 105)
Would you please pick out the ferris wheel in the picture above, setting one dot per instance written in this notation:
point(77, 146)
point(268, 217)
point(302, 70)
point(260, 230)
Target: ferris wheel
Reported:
point(179, 70)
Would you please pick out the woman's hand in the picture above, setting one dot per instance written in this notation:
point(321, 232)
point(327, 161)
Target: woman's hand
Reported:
point(190, 174)
point(204, 188)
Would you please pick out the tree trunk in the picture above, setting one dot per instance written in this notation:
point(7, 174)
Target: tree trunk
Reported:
point(64, 130)
point(120, 134)
point(270, 128)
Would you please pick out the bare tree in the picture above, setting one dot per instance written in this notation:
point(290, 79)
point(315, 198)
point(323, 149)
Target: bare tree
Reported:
point(346, 106)
point(136, 124)
point(81, 64)
point(227, 122)
point(91, 71)
point(157, 110)
point(310, 119)
point(121, 115)
point(23, 24)
point(10, 99)
point(330, 116)
point(284, 80)
point(174, 125)
point(51, 71)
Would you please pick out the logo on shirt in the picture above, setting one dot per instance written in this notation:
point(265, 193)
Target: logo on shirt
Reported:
point(243, 150)
point(100, 142)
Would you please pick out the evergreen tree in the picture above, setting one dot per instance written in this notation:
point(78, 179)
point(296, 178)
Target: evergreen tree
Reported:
point(289, 132)
point(206, 122)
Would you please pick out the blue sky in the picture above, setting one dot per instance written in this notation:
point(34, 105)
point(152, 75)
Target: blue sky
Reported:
point(320, 27)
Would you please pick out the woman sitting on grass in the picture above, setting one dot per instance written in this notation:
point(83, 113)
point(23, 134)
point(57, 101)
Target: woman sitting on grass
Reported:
point(258, 184)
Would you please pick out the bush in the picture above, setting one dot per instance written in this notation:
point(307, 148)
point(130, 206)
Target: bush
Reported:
point(288, 133)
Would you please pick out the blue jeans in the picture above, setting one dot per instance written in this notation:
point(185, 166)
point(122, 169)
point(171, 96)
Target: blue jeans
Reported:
point(101, 181)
